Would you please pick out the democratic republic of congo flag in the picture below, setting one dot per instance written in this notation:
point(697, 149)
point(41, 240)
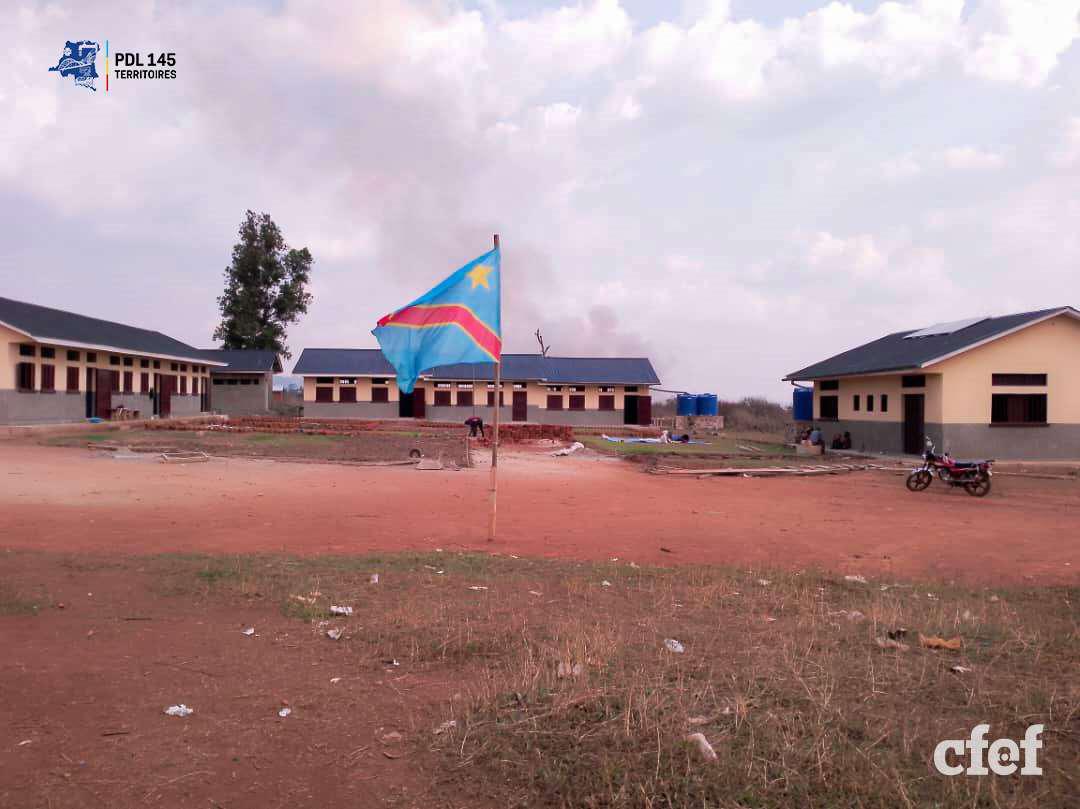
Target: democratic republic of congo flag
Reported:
point(457, 321)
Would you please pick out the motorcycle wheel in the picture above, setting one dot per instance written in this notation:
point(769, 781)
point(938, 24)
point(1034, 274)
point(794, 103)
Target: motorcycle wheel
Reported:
point(980, 487)
point(917, 481)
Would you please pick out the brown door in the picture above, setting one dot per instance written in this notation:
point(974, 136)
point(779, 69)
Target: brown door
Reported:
point(103, 387)
point(630, 409)
point(91, 406)
point(166, 388)
point(644, 410)
point(914, 422)
point(418, 403)
point(520, 406)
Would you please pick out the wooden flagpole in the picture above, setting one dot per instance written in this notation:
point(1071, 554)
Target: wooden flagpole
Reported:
point(495, 422)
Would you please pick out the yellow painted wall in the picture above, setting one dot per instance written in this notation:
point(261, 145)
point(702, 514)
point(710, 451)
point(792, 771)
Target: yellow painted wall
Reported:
point(959, 390)
point(9, 356)
point(1051, 347)
point(537, 392)
point(888, 384)
point(363, 388)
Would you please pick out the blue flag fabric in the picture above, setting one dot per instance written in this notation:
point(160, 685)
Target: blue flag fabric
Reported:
point(460, 320)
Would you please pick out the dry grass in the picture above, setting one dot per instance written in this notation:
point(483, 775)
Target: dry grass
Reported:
point(380, 445)
point(18, 601)
point(781, 673)
point(804, 710)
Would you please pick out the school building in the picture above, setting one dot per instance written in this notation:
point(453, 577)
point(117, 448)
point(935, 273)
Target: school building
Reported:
point(58, 366)
point(998, 387)
point(244, 385)
point(359, 383)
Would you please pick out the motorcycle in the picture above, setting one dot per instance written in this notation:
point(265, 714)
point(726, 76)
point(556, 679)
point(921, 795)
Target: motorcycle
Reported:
point(973, 476)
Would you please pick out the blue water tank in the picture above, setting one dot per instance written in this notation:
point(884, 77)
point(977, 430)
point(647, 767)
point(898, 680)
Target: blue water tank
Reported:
point(802, 404)
point(686, 404)
point(707, 404)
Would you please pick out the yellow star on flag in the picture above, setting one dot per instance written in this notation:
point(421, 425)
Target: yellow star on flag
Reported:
point(479, 276)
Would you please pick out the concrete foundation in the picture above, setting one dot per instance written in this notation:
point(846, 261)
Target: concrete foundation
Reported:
point(877, 436)
point(577, 418)
point(351, 410)
point(1035, 442)
point(41, 408)
point(185, 406)
point(241, 400)
point(457, 415)
point(140, 402)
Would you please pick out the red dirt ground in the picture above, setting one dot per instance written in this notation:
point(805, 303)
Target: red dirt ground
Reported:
point(584, 507)
point(83, 689)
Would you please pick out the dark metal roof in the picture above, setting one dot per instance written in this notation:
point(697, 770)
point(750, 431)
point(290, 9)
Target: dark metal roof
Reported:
point(247, 360)
point(597, 370)
point(343, 362)
point(47, 325)
point(894, 353)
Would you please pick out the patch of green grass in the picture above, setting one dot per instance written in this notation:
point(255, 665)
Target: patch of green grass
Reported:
point(302, 611)
point(77, 439)
point(17, 602)
point(216, 574)
point(264, 438)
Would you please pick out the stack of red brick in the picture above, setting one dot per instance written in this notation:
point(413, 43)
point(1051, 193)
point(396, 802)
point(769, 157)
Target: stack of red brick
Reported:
point(509, 433)
point(512, 433)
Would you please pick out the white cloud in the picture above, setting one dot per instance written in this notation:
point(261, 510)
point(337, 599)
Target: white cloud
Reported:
point(901, 168)
point(571, 40)
point(559, 117)
point(971, 158)
point(1066, 152)
point(709, 173)
point(1021, 40)
point(1017, 41)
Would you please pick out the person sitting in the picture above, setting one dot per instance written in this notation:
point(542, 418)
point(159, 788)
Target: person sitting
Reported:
point(847, 440)
point(837, 441)
point(475, 423)
point(816, 438)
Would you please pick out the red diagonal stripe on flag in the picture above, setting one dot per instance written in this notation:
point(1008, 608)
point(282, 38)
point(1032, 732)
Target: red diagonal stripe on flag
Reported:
point(426, 317)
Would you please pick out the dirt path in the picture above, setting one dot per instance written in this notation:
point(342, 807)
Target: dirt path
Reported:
point(586, 507)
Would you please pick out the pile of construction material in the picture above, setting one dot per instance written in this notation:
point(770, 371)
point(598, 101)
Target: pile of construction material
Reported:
point(514, 433)
point(508, 433)
point(768, 471)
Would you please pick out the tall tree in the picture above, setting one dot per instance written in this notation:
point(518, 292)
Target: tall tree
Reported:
point(265, 288)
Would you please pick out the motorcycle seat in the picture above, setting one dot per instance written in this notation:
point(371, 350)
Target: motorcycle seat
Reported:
point(966, 464)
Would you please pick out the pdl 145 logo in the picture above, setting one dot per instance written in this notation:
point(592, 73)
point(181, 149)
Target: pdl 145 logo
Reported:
point(79, 61)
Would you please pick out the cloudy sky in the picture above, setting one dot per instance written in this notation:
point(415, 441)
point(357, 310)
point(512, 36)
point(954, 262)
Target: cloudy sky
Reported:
point(733, 188)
